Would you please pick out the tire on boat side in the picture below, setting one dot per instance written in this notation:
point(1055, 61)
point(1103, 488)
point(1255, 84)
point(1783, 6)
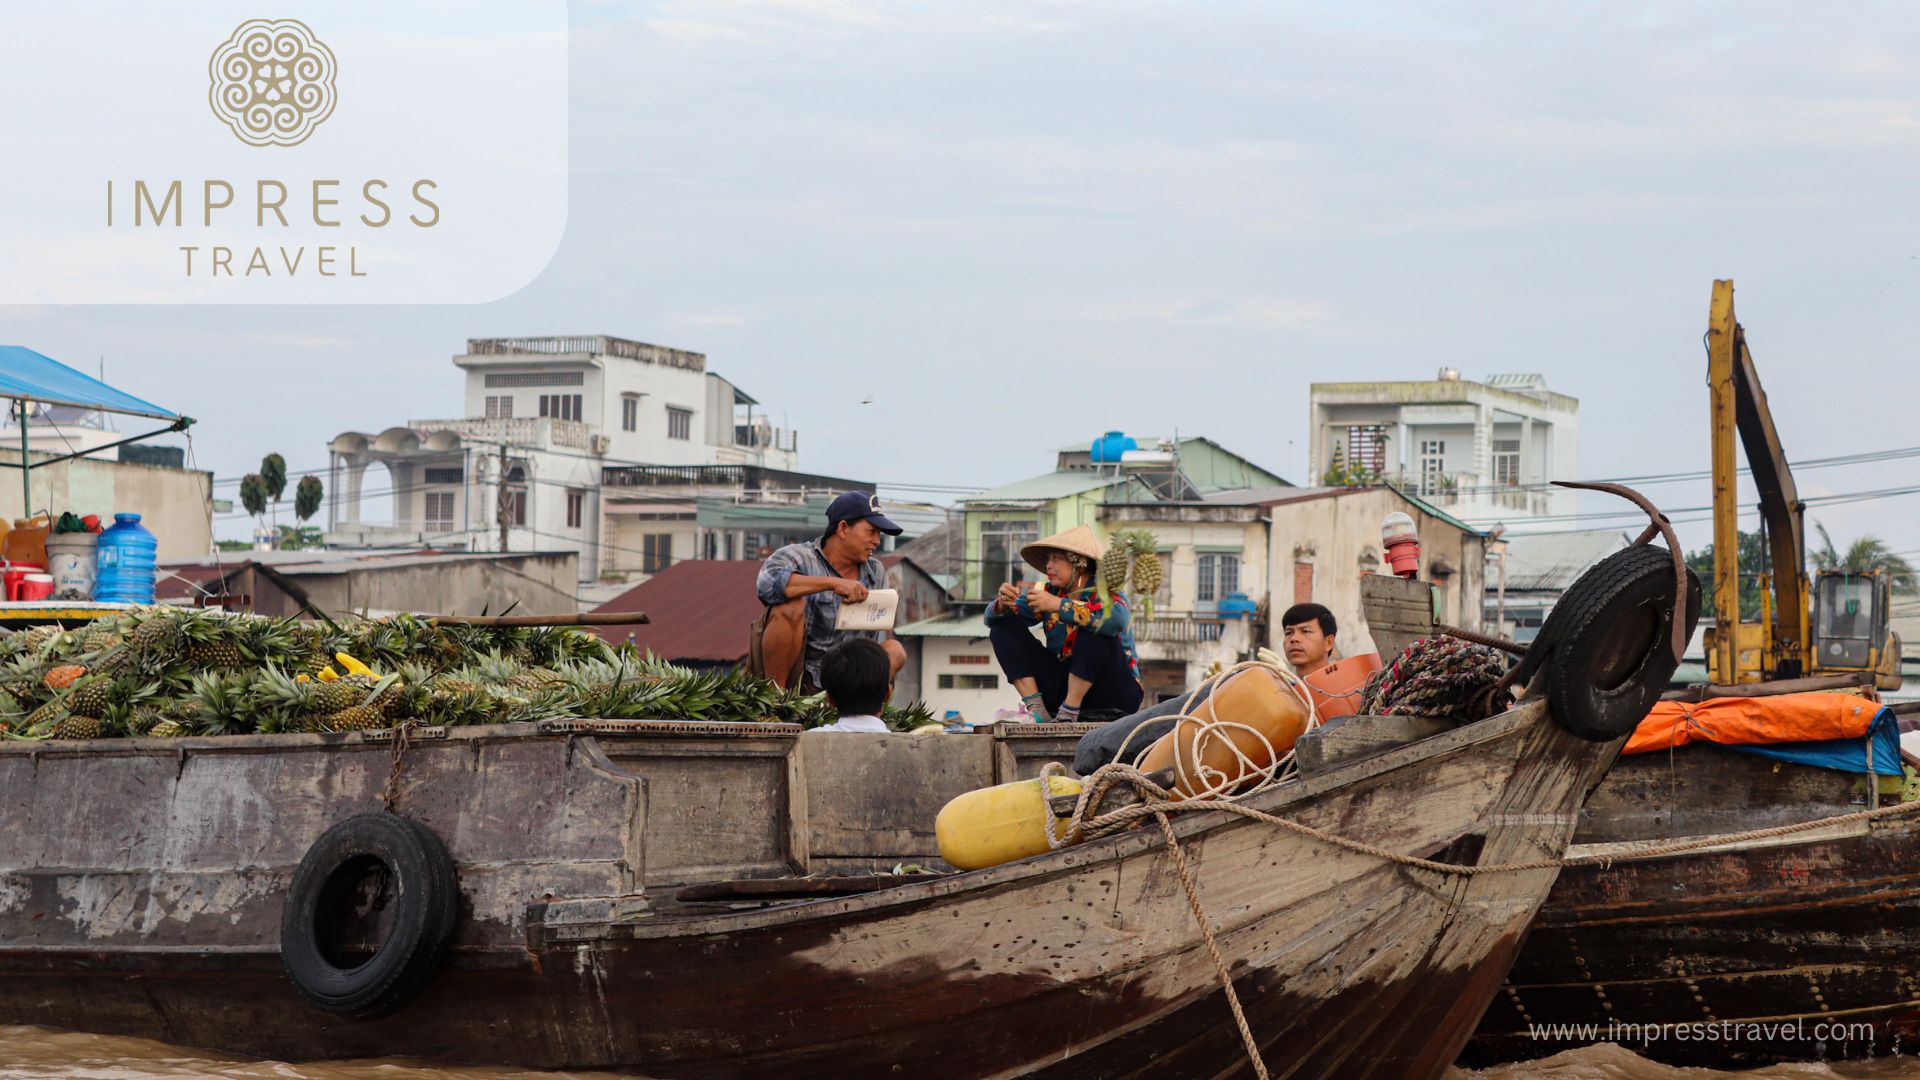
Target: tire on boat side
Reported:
point(1606, 647)
point(423, 897)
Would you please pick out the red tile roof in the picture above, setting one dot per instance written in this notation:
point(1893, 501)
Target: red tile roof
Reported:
point(699, 610)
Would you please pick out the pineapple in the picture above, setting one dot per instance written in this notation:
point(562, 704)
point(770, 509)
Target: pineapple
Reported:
point(219, 705)
point(166, 729)
point(21, 679)
point(280, 689)
point(357, 718)
point(1113, 567)
point(153, 633)
point(37, 639)
point(1147, 574)
point(91, 696)
point(41, 721)
point(61, 676)
point(210, 642)
point(78, 727)
point(340, 694)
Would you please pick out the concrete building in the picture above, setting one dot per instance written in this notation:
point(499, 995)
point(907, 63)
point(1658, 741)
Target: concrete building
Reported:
point(378, 583)
point(1483, 452)
point(1538, 569)
point(175, 503)
point(525, 467)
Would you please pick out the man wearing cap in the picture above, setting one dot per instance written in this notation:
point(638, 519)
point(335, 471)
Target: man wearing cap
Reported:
point(803, 585)
point(1087, 661)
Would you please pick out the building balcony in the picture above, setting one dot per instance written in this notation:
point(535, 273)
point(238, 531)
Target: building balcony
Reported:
point(1171, 634)
point(533, 431)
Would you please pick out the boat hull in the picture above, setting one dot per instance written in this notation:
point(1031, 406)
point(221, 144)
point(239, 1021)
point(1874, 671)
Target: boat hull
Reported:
point(1086, 961)
point(1803, 947)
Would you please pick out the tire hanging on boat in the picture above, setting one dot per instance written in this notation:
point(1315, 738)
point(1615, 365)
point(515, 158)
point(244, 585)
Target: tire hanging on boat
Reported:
point(1606, 647)
point(415, 874)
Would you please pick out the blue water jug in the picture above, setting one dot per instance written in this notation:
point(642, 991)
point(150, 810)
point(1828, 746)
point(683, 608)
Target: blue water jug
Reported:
point(126, 562)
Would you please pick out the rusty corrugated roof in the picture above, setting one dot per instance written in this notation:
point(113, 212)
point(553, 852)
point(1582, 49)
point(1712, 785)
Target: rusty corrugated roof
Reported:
point(699, 610)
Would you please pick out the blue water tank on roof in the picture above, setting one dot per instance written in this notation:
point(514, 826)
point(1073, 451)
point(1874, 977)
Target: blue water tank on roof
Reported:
point(1108, 448)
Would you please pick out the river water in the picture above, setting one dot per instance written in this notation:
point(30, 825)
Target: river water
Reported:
point(43, 1052)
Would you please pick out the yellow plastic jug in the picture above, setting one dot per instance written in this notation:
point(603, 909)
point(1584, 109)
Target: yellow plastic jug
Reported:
point(1259, 698)
point(1000, 824)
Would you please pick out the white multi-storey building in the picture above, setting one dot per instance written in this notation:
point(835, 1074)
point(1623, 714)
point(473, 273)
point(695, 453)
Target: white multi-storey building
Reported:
point(524, 468)
point(1482, 451)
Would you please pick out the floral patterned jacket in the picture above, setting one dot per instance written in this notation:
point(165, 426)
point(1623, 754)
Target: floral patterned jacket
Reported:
point(1080, 611)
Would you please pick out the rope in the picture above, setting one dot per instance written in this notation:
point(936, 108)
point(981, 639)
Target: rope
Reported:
point(1440, 676)
point(1157, 800)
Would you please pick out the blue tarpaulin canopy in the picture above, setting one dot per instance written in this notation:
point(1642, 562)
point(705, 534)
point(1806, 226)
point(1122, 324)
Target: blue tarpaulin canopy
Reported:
point(31, 376)
point(27, 376)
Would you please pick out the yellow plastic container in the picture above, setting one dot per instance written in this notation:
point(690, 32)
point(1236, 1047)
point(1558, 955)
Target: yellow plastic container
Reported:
point(1000, 824)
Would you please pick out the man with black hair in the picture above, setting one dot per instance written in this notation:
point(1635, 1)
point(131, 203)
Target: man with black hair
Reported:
point(1306, 637)
point(857, 676)
point(803, 586)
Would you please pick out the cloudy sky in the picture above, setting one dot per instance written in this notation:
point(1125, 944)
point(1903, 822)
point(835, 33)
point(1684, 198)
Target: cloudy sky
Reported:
point(1019, 225)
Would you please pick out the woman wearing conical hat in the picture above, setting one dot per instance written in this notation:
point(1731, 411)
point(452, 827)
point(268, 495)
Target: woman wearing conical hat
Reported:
point(1087, 663)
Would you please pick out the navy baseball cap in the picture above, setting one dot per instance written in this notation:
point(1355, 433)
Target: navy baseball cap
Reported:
point(856, 506)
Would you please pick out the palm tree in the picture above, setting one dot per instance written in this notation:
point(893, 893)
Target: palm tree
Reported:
point(1865, 553)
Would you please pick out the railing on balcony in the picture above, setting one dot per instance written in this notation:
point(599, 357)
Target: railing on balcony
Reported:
point(590, 345)
point(516, 430)
point(1191, 628)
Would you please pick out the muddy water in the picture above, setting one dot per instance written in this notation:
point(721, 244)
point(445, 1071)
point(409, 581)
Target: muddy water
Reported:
point(42, 1052)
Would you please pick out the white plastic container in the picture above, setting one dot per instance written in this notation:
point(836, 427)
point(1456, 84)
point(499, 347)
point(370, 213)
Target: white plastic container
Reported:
point(72, 560)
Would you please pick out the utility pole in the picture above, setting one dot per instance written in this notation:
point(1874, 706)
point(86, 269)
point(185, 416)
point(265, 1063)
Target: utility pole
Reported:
point(502, 514)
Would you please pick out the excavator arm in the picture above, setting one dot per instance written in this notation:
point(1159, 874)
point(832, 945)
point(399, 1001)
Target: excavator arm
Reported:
point(1740, 404)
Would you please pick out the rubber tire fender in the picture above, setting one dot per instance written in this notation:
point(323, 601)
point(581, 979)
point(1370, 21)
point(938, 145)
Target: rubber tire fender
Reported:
point(1607, 646)
point(425, 903)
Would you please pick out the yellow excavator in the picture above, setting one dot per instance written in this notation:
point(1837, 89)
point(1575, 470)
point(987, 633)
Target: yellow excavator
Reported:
point(1834, 624)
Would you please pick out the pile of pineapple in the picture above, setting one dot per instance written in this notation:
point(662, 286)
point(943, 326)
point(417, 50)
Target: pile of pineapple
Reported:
point(1132, 565)
point(163, 671)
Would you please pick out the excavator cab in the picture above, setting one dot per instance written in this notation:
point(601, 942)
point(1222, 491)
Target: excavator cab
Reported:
point(1851, 609)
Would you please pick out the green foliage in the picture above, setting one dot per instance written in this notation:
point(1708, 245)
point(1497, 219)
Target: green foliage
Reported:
point(304, 538)
point(253, 494)
point(273, 470)
point(306, 497)
point(1867, 552)
point(1340, 474)
point(1754, 561)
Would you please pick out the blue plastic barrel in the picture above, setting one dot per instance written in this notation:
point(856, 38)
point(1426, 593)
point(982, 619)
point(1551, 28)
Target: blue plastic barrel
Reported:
point(126, 562)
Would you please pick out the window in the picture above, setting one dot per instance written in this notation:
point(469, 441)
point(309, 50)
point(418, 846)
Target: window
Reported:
point(679, 423)
point(454, 475)
point(1367, 448)
point(500, 407)
point(970, 659)
point(576, 502)
point(561, 406)
point(439, 509)
point(536, 378)
point(1216, 576)
point(656, 552)
point(630, 413)
point(1433, 466)
point(1506, 462)
point(514, 505)
point(969, 682)
point(1000, 544)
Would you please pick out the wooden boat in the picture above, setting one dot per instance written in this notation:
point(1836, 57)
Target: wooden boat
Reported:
point(1786, 948)
point(142, 886)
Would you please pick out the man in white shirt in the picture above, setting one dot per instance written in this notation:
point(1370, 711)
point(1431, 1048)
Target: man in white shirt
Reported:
point(857, 675)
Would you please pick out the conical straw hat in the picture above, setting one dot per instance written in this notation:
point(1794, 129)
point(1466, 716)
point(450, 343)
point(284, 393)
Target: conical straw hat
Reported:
point(1079, 540)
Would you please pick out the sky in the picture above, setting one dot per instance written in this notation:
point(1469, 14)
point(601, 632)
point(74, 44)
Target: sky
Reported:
point(1016, 226)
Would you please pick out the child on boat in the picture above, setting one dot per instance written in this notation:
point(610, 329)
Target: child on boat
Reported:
point(857, 675)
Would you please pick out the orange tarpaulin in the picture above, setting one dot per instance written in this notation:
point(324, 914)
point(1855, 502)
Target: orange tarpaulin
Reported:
point(1809, 717)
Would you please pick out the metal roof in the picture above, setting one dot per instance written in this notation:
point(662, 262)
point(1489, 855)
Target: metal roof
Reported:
point(37, 377)
point(1048, 486)
point(948, 626)
point(700, 610)
point(1550, 562)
